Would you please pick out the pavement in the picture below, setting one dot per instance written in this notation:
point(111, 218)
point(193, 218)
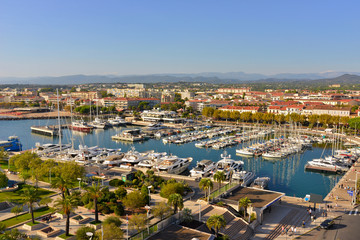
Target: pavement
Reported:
point(292, 211)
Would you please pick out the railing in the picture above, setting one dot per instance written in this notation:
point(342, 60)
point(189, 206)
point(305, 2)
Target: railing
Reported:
point(155, 227)
point(222, 190)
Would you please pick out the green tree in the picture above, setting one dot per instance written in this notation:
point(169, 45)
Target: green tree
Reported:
point(61, 184)
point(45, 201)
point(244, 203)
point(15, 234)
point(219, 177)
point(176, 201)
point(186, 215)
point(134, 200)
point(17, 210)
point(2, 227)
point(160, 210)
point(120, 192)
point(217, 222)
point(138, 221)
point(113, 220)
point(170, 188)
point(3, 180)
point(4, 156)
point(206, 184)
point(67, 205)
point(112, 232)
point(30, 195)
point(94, 193)
point(81, 233)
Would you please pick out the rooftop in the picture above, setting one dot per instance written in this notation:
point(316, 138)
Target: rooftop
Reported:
point(259, 198)
point(176, 232)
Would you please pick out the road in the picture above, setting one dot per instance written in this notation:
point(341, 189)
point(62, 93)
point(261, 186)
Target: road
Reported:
point(347, 227)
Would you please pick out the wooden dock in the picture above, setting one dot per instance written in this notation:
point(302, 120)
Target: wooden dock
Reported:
point(322, 169)
point(52, 130)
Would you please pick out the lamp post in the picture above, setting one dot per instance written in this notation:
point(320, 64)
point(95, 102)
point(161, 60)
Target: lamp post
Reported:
point(50, 175)
point(79, 179)
point(147, 215)
point(89, 234)
point(355, 193)
point(149, 187)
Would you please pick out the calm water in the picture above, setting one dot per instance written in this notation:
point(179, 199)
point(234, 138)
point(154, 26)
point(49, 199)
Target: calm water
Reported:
point(287, 175)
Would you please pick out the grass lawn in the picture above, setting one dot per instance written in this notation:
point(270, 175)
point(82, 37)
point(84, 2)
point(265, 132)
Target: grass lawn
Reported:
point(95, 223)
point(4, 165)
point(15, 196)
point(27, 216)
point(63, 236)
point(32, 224)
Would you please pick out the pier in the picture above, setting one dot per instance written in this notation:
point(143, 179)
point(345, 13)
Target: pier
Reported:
point(52, 130)
point(322, 169)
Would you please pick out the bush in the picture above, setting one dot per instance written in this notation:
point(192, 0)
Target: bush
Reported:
point(103, 207)
point(3, 180)
point(119, 209)
point(252, 217)
point(116, 182)
point(81, 233)
point(120, 192)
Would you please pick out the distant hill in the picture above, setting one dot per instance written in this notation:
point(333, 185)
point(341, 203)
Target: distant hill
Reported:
point(231, 77)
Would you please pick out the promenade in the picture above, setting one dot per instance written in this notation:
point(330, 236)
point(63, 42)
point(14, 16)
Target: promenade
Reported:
point(293, 211)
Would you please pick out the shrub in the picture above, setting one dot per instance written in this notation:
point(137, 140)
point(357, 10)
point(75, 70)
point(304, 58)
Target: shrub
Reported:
point(116, 182)
point(81, 233)
point(120, 192)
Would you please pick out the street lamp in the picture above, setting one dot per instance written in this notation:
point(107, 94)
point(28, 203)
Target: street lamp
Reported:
point(149, 187)
point(355, 193)
point(147, 215)
point(89, 234)
point(79, 179)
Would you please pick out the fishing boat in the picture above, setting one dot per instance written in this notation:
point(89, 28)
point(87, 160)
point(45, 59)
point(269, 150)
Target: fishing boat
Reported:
point(12, 144)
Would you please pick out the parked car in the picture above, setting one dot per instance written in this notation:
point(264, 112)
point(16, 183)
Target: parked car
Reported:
point(327, 223)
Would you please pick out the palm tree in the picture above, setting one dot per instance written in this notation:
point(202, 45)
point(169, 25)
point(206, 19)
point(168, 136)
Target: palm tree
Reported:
point(217, 222)
point(95, 193)
point(206, 184)
point(67, 205)
point(219, 176)
point(30, 195)
point(61, 184)
point(176, 200)
point(244, 203)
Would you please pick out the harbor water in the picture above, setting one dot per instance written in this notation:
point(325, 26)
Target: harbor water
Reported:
point(287, 175)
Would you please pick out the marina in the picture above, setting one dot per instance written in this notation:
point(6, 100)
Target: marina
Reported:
point(286, 175)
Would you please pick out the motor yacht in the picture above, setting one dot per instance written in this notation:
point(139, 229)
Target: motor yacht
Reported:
point(245, 178)
point(202, 168)
point(173, 164)
point(228, 165)
point(261, 182)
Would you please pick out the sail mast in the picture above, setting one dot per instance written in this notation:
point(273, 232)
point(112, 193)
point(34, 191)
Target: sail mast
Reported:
point(58, 108)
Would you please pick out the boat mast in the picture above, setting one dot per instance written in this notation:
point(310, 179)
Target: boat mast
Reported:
point(58, 108)
point(71, 118)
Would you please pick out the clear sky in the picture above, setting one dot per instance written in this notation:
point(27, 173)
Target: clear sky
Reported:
point(62, 37)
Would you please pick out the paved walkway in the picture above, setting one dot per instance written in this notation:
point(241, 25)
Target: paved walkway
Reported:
point(293, 211)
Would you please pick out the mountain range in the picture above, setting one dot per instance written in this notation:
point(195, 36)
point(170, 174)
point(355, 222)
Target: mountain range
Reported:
point(209, 77)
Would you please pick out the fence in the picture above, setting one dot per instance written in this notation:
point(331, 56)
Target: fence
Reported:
point(222, 190)
point(156, 227)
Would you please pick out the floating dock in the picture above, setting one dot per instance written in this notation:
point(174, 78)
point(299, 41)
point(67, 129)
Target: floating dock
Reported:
point(322, 169)
point(47, 130)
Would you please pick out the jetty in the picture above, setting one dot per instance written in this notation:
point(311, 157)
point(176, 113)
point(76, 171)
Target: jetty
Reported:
point(52, 130)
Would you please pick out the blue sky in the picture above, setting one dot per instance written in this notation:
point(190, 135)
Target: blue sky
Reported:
point(63, 37)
